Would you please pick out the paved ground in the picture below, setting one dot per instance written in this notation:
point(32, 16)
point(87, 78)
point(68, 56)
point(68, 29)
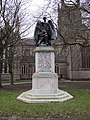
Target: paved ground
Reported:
point(62, 85)
point(14, 118)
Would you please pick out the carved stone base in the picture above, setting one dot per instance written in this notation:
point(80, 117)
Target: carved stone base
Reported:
point(61, 96)
point(44, 89)
point(44, 80)
point(44, 83)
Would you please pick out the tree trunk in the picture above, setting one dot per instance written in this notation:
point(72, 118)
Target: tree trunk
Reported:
point(1, 70)
point(0, 81)
point(10, 63)
point(12, 83)
point(11, 73)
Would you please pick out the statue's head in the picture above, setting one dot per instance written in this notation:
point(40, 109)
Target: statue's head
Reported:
point(44, 18)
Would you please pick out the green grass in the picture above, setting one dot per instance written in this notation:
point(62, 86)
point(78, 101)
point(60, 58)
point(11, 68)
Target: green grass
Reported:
point(79, 106)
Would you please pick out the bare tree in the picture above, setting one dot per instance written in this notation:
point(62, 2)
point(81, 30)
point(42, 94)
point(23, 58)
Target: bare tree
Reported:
point(9, 29)
point(76, 21)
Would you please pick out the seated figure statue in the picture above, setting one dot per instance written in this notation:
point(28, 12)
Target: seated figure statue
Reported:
point(44, 32)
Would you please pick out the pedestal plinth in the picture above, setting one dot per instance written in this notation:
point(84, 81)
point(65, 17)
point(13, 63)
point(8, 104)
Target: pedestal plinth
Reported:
point(44, 80)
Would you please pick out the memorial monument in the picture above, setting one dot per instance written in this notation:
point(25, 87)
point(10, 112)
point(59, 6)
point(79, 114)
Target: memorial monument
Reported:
point(44, 80)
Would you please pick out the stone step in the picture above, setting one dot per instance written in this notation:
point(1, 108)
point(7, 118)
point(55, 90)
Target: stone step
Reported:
point(59, 97)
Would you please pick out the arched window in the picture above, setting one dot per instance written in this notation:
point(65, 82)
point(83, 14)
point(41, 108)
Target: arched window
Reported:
point(23, 69)
point(85, 55)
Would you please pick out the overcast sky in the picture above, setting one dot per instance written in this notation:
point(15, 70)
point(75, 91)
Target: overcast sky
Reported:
point(35, 9)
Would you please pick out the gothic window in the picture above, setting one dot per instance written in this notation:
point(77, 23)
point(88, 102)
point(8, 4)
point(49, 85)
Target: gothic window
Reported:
point(85, 55)
point(24, 69)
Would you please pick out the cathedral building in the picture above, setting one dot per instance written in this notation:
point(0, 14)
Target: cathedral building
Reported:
point(75, 35)
point(72, 60)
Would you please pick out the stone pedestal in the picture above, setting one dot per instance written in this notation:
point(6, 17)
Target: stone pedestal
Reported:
point(44, 80)
point(42, 84)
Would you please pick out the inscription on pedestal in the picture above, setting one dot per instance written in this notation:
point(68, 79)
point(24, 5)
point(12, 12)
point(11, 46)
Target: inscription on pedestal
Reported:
point(44, 62)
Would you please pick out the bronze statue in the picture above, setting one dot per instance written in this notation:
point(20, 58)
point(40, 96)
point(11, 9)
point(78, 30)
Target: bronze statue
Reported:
point(44, 32)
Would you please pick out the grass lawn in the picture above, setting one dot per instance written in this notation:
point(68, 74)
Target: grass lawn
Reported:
point(79, 106)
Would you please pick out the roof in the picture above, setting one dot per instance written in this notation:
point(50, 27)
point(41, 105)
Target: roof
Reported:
point(30, 41)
